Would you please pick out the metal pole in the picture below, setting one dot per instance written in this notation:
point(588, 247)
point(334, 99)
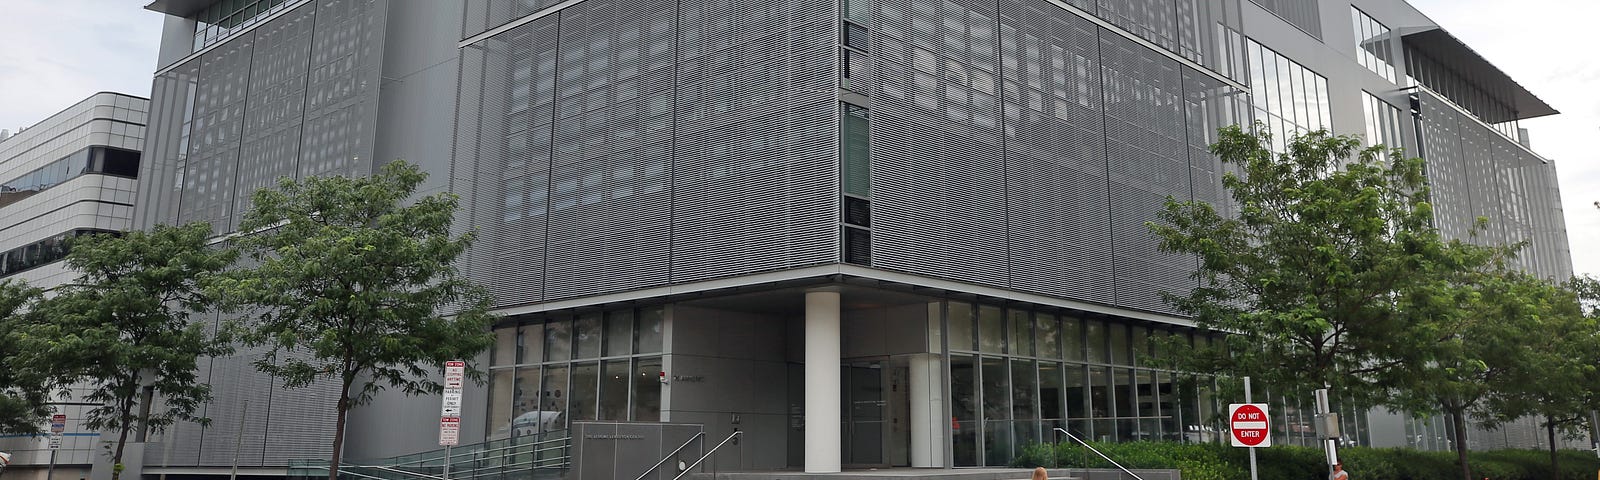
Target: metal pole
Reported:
point(1252, 449)
point(49, 474)
point(238, 441)
point(446, 462)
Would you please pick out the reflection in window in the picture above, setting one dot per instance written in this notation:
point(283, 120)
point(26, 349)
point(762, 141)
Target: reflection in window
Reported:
point(1374, 49)
point(964, 410)
point(614, 391)
point(991, 330)
point(1289, 98)
point(646, 402)
point(1383, 122)
point(43, 252)
point(100, 160)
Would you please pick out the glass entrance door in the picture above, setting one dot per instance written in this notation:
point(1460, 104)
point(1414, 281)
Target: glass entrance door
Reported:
point(864, 405)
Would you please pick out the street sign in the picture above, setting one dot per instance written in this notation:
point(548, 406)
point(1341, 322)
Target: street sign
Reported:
point(58, 423)
point(55, 441)
point(1248, 423)
point(455, 372)
point(449, 431)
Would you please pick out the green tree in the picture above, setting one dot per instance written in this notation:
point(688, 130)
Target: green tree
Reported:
point(129, 323)
point(1556, 376)
point(352, 283)
point(24, 386)
point(1308, 276)
point(1483, 322)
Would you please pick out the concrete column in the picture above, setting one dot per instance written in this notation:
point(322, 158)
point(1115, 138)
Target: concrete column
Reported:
point(822, 383)
point(927, 405)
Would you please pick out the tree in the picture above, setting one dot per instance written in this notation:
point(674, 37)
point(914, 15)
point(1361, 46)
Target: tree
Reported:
point(1483, 322)
point(24, 386)
point(129, 324)
point(351, 285)
point(1557, 374)
point(1308, 278)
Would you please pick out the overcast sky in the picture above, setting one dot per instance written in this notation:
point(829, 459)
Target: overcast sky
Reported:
point(56, 52)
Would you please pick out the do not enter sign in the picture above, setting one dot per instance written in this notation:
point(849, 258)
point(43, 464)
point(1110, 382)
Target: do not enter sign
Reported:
point(1248, 423)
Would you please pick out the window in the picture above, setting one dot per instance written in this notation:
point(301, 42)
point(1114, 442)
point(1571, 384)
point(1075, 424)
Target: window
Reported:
point(43, 252)
point(1374, 49)
point(1383, 121)
point(92, 160)
point(1288, 98)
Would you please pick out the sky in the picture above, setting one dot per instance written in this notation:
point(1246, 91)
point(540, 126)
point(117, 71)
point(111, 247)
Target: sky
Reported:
point(56, 52)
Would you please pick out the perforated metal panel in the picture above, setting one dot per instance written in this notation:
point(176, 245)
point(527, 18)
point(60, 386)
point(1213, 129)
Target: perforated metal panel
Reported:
point(1208, 106)
point(1447, 172)
point(610, 202)
point(938, 187)
point(167, 146)
point(275, 104)
point(1055, 152)
point(208, 177)
point(341, 112)
point(1147, 154)
point(1305, 14)
point(755, 177)
point(622, 144)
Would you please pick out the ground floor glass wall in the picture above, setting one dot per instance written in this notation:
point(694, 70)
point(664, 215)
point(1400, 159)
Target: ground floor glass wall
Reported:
point(546, 372)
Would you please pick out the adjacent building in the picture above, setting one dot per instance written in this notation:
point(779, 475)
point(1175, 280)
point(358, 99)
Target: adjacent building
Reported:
point(72, 174)
point(860, 232)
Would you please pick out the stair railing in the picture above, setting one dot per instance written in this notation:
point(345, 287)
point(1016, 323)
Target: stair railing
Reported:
point(675, 451)
point(713, 451)
point(1097, 452)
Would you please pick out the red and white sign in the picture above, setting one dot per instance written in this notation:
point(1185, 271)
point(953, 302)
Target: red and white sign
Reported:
point(58, 423)
point(455, 373)
point(449, 431)
point(1248, 423)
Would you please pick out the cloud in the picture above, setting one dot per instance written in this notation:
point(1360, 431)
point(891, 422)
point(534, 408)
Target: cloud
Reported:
point(56, 53)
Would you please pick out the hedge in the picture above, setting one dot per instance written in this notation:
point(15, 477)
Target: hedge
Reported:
point(1222, 462)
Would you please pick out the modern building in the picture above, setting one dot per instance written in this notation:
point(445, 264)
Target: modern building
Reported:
point(860, 232)
point(74, 173)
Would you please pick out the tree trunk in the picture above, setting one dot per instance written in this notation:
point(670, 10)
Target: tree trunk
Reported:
point(338, 428)
point(1555, 465)
point(122, 438)
point(1458, 419)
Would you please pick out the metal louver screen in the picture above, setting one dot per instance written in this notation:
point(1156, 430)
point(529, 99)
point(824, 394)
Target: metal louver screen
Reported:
point(1055, 151)
point(1147, 154)
point(624, 144)
point(938, 171)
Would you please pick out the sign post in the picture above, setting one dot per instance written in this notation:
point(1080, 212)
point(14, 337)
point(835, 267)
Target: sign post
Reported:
point(58, 424)
point(1247, 425)
point(455, 373)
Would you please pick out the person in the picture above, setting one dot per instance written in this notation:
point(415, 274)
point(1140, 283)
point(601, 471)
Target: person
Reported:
point(1338, 471)
point(1040, 474)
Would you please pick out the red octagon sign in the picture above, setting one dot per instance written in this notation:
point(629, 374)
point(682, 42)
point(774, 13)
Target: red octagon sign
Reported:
point(1248, 423)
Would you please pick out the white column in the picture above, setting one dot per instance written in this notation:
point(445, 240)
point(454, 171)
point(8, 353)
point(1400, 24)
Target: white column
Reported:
point(822, 383)
point(927, 406)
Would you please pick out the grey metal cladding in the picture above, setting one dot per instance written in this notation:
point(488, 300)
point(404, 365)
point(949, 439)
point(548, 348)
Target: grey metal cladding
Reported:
point(938, 171)
point(1208, 106)
point(1446, 169)
point(755, 180)
point(609, 221)
point(166, 146)
point(275, 105)
point(208, 176)
point(1055, 152)
point(236, 384)
point(1305, 14)
point(483, 15)
point(1203, 31)
point(341, 112)
point(1147, 152)
point(505, 109)
point(1153, 20)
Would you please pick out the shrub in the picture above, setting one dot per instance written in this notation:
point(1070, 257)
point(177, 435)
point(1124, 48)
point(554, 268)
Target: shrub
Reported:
point(1222, 462)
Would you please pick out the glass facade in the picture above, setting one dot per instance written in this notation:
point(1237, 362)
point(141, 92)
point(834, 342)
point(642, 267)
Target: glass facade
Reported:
point(101, 160)
point(1017, 374)
point(223, 18)
point(43, 252)
point(1383, 122)
point(1374, 48)
point(1289, 98)
point(548, 372)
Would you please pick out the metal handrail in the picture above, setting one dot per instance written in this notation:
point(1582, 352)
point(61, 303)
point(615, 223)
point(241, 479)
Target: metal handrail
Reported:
point(703, 458)
point(1097, 452)
point(675, 451)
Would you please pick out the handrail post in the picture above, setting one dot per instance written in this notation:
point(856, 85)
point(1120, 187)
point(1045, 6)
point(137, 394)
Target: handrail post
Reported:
point(1097, 452)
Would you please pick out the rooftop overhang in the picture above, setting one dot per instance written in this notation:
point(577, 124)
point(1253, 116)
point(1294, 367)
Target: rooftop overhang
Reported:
point(1448, 50)
point(180, 8)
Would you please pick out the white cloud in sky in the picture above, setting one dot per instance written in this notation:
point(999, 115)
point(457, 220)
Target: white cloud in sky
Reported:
point(54, 53)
